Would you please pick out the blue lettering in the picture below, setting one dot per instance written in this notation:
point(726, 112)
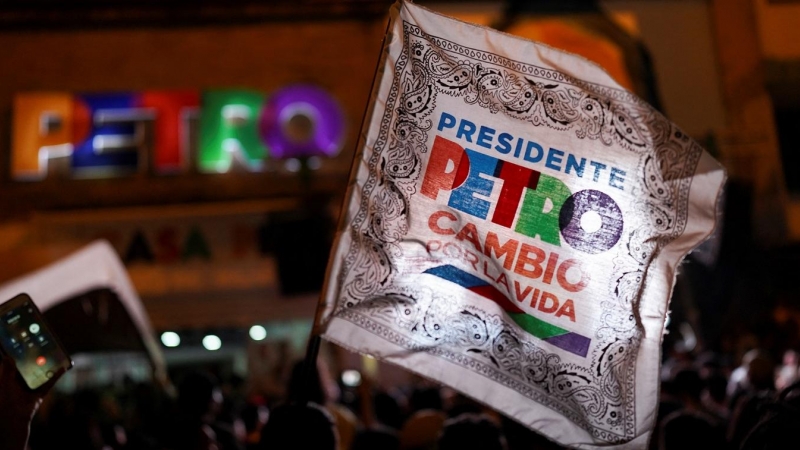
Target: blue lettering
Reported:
point(465, 130)
point(572, 164)
point(539, 152)
point(518, 149)
point(554, 157)
point(617, 176)
point(504, 145)
point(597, 168)
point(446, 121)
point(485, 136)
point(463, 197)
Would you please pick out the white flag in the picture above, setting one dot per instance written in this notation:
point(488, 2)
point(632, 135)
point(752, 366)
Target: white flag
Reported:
point(513, 228)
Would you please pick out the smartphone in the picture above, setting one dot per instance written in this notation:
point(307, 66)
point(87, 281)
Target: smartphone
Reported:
point(25, 336)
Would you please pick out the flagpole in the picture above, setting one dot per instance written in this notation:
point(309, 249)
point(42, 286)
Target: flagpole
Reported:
point(315, 336)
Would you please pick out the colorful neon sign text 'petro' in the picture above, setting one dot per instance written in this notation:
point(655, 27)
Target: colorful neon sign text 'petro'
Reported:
point(114, 134)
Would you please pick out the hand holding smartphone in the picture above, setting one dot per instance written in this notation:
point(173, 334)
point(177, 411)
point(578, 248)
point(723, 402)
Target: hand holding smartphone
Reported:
point(27, 339)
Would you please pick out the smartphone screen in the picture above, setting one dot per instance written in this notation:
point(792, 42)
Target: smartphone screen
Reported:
point(25, 337)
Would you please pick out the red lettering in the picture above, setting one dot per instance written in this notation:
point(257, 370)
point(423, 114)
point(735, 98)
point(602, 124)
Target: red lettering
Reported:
point(515, 180)
point(521, 295)
point(507, 250)
point(470, 233)
point(433, 223)
point(561, 276)
point(534, 298)
point(543, 307)
point(473, 260)
point(552, 261)
point(433, 246)
point(452, 250)
point(171, 127)
point(523, 260)
point(443, 153)
point(503, 279)
point(568, 309)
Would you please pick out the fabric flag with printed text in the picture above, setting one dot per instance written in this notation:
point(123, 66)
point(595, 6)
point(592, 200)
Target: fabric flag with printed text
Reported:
point(513, 228)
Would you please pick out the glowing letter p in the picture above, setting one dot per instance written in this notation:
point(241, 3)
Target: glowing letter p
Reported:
point(41, 130)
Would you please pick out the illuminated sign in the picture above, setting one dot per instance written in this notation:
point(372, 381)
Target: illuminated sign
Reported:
point(113, 134)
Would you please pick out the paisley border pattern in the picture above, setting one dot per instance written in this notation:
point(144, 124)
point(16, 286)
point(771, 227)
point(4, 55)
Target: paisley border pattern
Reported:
point(374, 296)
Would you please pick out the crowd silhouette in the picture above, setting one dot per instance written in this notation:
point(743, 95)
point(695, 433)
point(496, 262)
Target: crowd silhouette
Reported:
point(707, 401)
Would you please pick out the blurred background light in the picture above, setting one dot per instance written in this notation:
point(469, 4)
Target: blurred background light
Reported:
point(170, 339)
point(211, 342)
point(258, 333)
point(351, 378)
